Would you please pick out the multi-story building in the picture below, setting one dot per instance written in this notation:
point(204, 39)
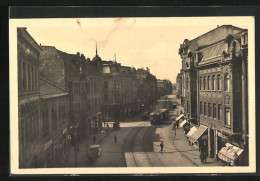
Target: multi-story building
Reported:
point(76, 85)
point(94, 79)
point(54, 121)
point(28, 97)
point(120, 91)
point(146, 88)
point(214, 73)
point(163, 87)
point(179, 86)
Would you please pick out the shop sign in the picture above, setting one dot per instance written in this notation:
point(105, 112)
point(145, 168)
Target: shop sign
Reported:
point(222, 136)
point(47, 145)
point(204, 137)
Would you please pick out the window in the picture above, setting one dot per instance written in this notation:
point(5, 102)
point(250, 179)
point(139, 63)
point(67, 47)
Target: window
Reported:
point(29, 78)
point(24, 78)
point(213, 82)
point(188, 106)
point(218, 82)
point(204, 83)
point(105, 98)
point(20, 77)
point(105, 85)
point(226, 82)
point(227, 117)
point(205, 108)
point(219, 112)
point(208, 83)
point(54, 118)
point(214, 111)
point(201, 108)
point(200, 83)
point(45, 122)
point(209, 110)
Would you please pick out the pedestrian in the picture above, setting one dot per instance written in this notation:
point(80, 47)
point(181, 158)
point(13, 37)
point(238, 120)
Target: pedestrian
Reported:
point(115, 137)
point(174, 129)
point(161, 145)
point(177, 124)
point(94, 139)
point(107, 127)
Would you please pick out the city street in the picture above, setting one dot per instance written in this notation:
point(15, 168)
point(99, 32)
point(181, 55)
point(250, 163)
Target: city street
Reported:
point(138, 145)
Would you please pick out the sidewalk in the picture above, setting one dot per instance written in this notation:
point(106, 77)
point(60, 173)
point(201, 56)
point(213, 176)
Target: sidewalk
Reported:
point(82, 155)
point(189, 151)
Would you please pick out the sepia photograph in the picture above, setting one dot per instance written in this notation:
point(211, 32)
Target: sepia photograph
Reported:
point(132, 95)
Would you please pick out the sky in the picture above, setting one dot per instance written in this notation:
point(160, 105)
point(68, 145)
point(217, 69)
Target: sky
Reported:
point(137, 42)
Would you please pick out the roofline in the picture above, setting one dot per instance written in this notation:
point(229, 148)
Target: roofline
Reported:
point(215, 29)
point(49, 82)
point(25, 30)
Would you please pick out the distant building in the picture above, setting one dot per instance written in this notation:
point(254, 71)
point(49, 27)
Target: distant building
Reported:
point(28, 97)
point(120, 91)
point(179, 85)
point(95, 83)
point(164, 87)
point(214, 74)
point(146, 88)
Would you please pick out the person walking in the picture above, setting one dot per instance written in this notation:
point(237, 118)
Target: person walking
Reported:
point(115, 138)
point(161, 145)
point(94, 139)
point(174, 130)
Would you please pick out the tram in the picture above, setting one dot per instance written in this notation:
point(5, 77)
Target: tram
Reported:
point(159, 116)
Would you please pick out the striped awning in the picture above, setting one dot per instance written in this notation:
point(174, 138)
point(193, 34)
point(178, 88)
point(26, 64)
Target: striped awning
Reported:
point(178, 118)
point(196, 135)
point(230, 153)
point(192, 130)
point(183, 123)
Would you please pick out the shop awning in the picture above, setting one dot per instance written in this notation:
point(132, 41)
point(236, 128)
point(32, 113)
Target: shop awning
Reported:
point(230, 153)
point(183, 123)
point(196, 135)
point(192, 130)
point(178, 118)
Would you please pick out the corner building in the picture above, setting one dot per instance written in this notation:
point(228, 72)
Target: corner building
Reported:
point(219, 58)
point(28, 97)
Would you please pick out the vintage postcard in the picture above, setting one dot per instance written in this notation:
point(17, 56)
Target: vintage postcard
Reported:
point(132, 95)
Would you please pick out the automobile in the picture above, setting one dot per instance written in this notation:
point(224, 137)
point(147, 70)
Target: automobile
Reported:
point(94, 152)
point(116, 126)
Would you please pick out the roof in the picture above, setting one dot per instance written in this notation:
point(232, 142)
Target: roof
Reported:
point(28, 37)
point(48, 89)
point(213, 36)
point(213, 51)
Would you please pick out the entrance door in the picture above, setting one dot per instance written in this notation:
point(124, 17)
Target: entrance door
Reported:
point(212, 143)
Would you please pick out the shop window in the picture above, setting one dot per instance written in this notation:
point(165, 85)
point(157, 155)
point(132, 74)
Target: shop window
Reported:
point(219, 112)
point(205, 108)
point(226, 83)
point(214, 111)
point(209, 110)
point(201, 108)
point(227, 117)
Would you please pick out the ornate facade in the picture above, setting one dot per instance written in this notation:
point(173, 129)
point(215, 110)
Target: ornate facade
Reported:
point(212, 66)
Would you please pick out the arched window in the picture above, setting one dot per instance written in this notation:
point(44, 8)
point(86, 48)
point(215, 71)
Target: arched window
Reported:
point(226, 82)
